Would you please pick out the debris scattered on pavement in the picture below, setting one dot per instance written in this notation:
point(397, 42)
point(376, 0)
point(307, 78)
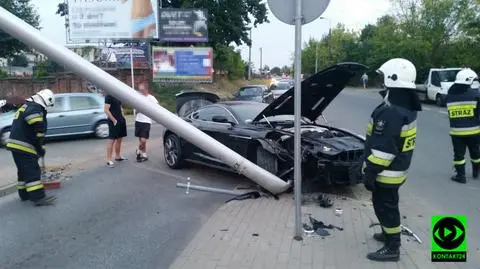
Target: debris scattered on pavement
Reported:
point(319, 224)
point(248, 195)
point(324, 201)
point(420, 216)
point(405, 231)
point(223, 230)
point(255, 234)
point(404, 217)
point(52, 178)
point(338, 211)
point(322, 232)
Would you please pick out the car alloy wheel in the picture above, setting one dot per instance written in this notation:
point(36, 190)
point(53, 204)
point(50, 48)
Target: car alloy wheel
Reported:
point(172, 151)
point(101, 130)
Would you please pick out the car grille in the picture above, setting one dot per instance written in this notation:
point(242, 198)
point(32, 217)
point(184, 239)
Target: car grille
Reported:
point(350, 156)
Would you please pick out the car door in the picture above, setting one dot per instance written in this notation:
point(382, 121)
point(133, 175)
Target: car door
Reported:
point(57, 122)
point(80, 116)
point(203, 120)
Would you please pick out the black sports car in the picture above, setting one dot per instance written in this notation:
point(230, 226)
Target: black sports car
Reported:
point(264, 133)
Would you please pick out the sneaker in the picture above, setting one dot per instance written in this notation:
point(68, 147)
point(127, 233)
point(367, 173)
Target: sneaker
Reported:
point(384, 254)
point(110, 164)
point(47, 200)
point(121, 158)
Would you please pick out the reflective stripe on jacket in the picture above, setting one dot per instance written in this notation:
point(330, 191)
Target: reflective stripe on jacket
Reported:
point(463, 113)
point(390, 142)
point(28, 129)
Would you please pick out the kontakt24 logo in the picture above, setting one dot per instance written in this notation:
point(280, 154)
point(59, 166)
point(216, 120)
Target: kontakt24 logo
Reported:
point(449, 238)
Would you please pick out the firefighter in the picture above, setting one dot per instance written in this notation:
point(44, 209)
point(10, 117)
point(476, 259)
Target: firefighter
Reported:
point(390, 141)
point(26, 144)
point(462, 103)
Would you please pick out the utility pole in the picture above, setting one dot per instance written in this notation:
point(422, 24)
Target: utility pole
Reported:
point(316, 57)
point(261, 65)
point(329, 37)
point(250, 57)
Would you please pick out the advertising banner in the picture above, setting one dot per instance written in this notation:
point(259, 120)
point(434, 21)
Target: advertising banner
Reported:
point(121, 57)
point(183, 25)
point(174, 64)
point(112, 20)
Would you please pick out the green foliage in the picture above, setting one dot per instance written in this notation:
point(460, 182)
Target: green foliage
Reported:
point(226, 59)
point(18, 60)
point(10, 46)
point(276, 71)
point(3, 74)
point(430, 33)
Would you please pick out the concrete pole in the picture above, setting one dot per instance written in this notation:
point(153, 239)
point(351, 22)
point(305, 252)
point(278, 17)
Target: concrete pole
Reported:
point(297, 109)
point(316, 57)
point(32, 37)
point(261, 59)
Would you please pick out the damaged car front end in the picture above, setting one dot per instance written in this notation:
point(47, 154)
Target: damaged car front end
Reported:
point(264, 133)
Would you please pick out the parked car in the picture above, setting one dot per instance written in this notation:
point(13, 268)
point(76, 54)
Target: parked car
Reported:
point(436, 85)
point(256, 93)
point(264, 133)
point(280, 88)
point(73, 114)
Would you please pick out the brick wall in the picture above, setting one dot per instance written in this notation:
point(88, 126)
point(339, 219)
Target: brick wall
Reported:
point(65, 82)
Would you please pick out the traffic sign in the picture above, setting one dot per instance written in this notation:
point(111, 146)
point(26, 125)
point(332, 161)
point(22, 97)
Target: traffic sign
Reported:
point(284, 10)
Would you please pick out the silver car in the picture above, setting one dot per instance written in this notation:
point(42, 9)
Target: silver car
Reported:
point(73, 114)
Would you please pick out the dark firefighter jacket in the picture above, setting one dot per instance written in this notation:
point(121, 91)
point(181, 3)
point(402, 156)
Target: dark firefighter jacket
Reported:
point(463, 110)
point(390, 138)
point(28, 129)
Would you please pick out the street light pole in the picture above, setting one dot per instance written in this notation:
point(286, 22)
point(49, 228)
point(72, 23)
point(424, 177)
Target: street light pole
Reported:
point(316, 57)
point(250, 57)
point(261, 66)
point(329, 37)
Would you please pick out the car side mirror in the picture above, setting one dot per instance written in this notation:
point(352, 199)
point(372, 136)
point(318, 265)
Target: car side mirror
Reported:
point(221, 119)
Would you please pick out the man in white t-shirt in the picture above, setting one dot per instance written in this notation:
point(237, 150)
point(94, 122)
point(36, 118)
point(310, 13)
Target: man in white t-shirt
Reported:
point(142, 125)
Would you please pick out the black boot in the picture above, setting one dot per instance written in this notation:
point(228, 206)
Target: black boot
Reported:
point(460, 176)
point(46, 200)
point(475, 168)
point(384, 254)
point(380, 237)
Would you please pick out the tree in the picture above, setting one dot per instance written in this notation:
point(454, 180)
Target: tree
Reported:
point(10, 46)
point(18, 60)
point(276, 71)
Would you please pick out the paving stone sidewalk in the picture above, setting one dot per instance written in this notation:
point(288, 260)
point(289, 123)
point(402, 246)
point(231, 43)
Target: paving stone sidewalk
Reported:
point(259, 234)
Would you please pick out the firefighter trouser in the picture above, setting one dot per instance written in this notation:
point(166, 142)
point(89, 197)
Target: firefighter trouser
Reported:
point(385, 204)
point(29, 173)
point(460, 144)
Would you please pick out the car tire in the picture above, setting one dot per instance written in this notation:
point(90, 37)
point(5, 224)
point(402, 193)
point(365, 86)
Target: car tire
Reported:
point(173, 152)
point(267, 160)
point(101, 129)
point(4, 135)
point(438, 100)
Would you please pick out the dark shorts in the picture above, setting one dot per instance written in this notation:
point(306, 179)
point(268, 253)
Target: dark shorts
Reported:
point(142, 129)
point(117, 131)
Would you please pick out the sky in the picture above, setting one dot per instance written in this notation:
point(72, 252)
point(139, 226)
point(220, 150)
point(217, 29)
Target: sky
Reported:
point(275, 38)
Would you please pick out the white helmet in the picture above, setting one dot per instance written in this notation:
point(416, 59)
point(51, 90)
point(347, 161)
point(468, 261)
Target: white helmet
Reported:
point(47, 97)
point(398, 73)
point(466, 76)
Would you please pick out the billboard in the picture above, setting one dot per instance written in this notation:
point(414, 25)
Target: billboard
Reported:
point(174, 64)
point(183, 25)
point(120, 56)
point(112, 20)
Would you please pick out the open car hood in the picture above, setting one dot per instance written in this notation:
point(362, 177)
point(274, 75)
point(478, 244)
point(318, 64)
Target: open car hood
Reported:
point(318, 91)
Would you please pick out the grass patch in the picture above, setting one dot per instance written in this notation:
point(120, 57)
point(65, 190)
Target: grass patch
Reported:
point(224, 88)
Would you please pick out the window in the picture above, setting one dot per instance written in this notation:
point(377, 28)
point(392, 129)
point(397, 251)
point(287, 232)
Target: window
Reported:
point(59, 105)
point(250, 91)
point(208, 113)
point(83, 102)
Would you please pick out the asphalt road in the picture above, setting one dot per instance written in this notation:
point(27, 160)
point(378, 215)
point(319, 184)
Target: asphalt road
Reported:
point(132, 216)
point(428, 190)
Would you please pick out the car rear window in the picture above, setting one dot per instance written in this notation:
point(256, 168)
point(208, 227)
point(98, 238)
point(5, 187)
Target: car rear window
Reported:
point(250, 91)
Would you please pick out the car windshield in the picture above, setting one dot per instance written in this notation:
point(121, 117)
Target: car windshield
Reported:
point(248, 111)
point(448, 75)
point(250, 91)
point(282, 86)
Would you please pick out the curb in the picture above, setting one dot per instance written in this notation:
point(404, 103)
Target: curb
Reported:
point(8, 189)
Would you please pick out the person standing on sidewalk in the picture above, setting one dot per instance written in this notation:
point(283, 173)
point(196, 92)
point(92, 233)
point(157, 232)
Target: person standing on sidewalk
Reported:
point(117, 128)
point(390, 141)
point(142, 126)
point(463, 113)
point(26, 143)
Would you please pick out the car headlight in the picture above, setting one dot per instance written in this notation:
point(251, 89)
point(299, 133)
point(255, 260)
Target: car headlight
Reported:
point(326, 149)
